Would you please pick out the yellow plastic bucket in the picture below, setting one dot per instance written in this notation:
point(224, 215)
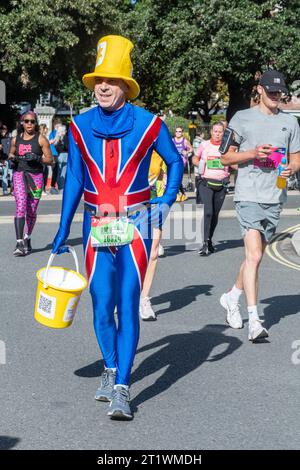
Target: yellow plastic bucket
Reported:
point(58, 293)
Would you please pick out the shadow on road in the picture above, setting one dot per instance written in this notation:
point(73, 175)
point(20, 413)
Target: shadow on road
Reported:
point(280, 306)
point(72, 242)
point(229, 244)
point(174, 250)
point(91, 371)
point(180, 298)
point(181, 354)
point(7, 442)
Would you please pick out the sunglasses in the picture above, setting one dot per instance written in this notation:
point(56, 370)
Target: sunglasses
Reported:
point(31, 121)
point(178, 132)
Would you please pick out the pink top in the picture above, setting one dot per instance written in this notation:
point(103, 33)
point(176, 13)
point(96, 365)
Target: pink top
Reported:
point(209, 152)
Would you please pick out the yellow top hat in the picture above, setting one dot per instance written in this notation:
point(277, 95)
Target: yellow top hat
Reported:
point(113, 61)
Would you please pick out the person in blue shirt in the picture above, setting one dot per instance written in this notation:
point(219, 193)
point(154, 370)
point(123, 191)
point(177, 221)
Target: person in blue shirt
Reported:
point(52, 141)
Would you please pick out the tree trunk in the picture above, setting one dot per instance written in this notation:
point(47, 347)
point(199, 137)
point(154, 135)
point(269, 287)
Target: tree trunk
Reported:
point(239, 98)
point(205, 112)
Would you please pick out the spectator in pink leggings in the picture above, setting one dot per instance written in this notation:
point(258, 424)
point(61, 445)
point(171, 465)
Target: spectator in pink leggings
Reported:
point(29, 151)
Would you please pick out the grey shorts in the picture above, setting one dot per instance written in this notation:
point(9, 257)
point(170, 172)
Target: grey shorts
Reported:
point(261, 217)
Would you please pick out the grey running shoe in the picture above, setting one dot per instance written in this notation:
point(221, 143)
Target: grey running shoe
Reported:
point(27, 245)
point(19, 250)
point(105, 391)
point(119, 406)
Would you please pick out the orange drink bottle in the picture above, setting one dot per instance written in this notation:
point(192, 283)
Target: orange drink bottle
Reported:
point(281, 182)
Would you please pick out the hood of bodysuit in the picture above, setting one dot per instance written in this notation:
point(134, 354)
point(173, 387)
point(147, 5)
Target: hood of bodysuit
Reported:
point(113, 125)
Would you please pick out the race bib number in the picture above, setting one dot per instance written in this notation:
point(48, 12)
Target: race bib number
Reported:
point(111, 231)
point(214, 163)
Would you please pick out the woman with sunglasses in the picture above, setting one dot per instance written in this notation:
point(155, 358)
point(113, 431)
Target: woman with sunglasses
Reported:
point(29, 151)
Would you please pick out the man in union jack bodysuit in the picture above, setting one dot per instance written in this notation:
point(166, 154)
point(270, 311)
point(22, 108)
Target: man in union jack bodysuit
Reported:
point(110, 147)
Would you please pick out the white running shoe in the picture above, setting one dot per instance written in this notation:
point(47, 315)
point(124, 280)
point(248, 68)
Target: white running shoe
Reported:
point(256, 330)
point(233, 317)
point(146, 311)
point(161, 250)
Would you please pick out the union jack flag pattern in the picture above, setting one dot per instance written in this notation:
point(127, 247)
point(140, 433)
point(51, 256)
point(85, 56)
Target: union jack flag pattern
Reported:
point(110, 170)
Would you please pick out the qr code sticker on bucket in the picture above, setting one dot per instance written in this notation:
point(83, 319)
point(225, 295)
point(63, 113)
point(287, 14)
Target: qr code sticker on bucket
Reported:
point(46, 305)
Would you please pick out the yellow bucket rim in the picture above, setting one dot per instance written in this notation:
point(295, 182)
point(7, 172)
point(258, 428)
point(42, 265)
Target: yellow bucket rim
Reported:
point(38, 275)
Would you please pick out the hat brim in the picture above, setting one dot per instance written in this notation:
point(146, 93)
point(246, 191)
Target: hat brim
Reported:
point(133, 87)
point(273, 89)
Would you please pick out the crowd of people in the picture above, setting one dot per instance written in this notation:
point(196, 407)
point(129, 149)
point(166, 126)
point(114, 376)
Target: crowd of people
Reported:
point(124, 162)
point(54, 174)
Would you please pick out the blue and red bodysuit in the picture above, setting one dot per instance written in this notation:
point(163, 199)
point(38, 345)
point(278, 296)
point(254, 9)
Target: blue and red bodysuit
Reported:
point(108, 162)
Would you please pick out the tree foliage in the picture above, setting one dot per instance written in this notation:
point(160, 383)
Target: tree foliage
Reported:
point(185, 50)
point(189, 45)
point(74, 94)
point(43, 42)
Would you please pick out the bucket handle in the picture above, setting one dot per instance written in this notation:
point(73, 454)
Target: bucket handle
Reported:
point(52, 256)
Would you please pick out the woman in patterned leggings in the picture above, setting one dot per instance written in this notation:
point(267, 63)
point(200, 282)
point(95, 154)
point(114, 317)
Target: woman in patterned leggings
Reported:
point(29, 150)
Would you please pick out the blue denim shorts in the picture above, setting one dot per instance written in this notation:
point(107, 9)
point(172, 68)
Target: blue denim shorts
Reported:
point(257, 216)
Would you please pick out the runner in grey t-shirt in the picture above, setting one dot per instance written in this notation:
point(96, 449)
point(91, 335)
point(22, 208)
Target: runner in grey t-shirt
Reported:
point(256, 180)
point(258, 131)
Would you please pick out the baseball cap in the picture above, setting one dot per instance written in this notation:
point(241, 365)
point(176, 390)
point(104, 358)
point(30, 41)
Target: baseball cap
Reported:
point(273, 81)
